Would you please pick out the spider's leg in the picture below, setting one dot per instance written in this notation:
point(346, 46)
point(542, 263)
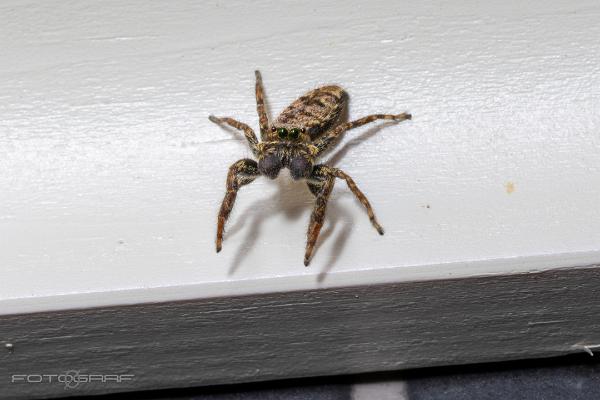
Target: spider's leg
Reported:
point(320, 184)
point(338, 173)
point(248, 132)
point(241, 173)
point(328, 138)
point(260, 106)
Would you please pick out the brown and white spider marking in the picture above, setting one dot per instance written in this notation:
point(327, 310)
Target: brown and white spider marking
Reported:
point(301, 133)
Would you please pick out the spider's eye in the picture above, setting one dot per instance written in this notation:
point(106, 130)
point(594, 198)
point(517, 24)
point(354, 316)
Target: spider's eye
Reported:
point(282, 132)
point(294, 133)
point(303, 130)
point(273, 129)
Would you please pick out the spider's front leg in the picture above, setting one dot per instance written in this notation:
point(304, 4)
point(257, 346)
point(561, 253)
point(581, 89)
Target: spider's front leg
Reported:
point(320, 184)
point(263, 120)
point(338, 173)
point(326, 140)
point(248, 132)
point(241, 173)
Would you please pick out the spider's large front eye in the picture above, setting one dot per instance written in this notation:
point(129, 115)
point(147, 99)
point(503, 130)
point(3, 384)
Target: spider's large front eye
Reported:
point(294, 133)
point(282, 132)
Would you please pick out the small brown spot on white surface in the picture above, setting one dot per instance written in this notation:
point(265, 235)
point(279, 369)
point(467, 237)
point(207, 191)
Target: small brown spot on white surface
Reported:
point(510, 187)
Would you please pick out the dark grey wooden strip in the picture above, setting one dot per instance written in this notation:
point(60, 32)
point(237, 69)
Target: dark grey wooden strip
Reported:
point(319, 332)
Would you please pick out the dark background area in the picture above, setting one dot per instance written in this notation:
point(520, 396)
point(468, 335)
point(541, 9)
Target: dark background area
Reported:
point(572, 377)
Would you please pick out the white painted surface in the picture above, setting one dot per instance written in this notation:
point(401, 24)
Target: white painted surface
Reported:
point(112, 174)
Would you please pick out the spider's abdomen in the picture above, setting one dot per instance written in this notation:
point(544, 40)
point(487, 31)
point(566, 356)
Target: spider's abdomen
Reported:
point(316, 111)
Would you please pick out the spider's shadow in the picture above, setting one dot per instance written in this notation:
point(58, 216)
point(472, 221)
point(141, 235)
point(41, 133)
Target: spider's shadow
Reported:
point(341, 153)
point(292, 200)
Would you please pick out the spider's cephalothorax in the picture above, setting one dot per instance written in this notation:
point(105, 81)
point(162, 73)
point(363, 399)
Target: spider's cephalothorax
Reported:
point(285, 148)
point(301, 133)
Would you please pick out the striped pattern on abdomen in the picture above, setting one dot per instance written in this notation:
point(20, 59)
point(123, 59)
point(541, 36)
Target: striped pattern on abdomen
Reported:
point(316, 111)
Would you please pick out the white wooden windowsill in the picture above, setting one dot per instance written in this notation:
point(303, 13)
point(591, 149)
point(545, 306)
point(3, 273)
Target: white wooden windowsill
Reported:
point(112, 175)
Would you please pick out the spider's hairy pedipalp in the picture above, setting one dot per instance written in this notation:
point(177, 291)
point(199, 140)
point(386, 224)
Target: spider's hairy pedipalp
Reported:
point(330, 137)
point(241, 173)
point(248, 132)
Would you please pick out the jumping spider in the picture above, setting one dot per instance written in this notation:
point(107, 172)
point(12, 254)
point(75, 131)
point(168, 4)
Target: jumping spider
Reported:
point(301, 133)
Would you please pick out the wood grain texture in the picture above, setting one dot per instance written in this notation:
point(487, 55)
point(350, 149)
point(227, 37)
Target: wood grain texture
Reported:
point(112, 174)
point(295, 334)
